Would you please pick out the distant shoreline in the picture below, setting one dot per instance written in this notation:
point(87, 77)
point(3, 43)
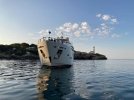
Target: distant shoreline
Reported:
point(24, 51)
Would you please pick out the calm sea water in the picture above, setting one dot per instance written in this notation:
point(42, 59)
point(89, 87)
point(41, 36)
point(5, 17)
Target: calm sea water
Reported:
point(85, 80)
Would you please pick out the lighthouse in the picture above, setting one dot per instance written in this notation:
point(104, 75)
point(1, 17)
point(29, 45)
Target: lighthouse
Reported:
point(94, 49)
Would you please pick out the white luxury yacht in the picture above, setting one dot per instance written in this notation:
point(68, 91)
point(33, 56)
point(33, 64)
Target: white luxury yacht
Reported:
point(55, 51)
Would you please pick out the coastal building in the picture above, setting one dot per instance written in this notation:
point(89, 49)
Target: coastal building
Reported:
point(93, 51)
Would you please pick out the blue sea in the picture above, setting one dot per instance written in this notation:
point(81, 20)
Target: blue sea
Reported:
point(85, 80)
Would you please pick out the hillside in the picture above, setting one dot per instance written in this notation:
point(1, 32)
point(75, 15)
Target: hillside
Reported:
point(25, 51)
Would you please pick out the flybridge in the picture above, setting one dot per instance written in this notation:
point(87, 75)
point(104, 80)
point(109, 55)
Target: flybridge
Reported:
point(61, 38)
point(58, 39)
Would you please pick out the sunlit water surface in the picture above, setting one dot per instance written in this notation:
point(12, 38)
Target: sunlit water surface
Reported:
point(85, 80)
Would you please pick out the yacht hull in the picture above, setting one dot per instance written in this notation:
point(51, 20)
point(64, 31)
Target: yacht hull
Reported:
point(55, 53)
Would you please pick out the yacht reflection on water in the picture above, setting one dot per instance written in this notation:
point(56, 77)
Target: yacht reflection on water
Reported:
point(53, 84)
point(42, 81)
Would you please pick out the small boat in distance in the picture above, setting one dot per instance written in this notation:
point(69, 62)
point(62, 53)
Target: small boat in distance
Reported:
point(55, 51)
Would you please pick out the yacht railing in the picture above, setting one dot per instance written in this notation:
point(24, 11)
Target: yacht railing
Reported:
point(58, 39)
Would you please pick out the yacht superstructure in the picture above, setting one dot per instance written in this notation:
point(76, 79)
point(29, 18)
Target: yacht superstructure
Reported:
point(55, 51)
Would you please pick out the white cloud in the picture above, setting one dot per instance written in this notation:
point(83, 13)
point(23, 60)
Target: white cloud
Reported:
point(75, 26)
point(103, 29)
point(114, 20)
point(84, 29)
point(84, 26)
point(115, 35)
point(98, 15)
point(76, 29)
point(77, 33)
point(106, 27)
point(61, 28)
point(43, 31)
point(67, 27)
point(106, 17)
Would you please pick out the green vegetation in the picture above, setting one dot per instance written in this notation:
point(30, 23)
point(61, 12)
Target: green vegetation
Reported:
point(88, 56)
point(26, 51)
point(18, 51)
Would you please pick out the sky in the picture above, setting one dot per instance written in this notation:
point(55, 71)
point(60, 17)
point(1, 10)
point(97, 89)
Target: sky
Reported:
point(105, 24)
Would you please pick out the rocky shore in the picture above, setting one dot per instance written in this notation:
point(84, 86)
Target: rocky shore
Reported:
point(23, 51)
point(88, 56)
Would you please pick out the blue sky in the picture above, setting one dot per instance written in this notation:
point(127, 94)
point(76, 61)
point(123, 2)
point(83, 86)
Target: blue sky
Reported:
point(105, 24)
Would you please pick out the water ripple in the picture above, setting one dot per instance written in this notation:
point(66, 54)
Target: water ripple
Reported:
point(95, 80)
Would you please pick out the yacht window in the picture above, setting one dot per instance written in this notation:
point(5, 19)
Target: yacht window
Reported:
point(42, 53)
